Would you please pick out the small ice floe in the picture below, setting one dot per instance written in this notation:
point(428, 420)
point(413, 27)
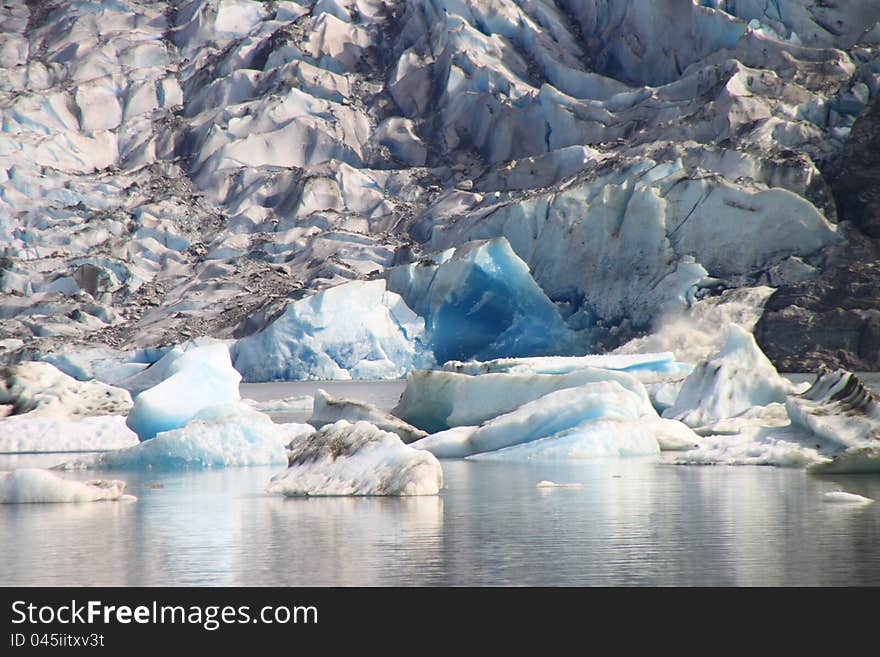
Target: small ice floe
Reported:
point(553, 484)
point(32, 485)
point(842, 497)
point(357, 459)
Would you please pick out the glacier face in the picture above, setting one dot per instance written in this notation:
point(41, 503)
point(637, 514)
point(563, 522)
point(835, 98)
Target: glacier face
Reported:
point(178, 169)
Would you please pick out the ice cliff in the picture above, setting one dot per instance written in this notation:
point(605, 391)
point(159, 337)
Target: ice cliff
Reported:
point(176, 169)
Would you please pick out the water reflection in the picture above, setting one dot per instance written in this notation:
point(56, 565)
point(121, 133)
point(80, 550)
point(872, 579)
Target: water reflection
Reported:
point(633, 522)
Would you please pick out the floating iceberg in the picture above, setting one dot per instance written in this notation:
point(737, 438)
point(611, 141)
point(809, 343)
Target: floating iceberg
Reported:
point(733, 381)
point(357, 459)
point(27, 433)
point(595, 439)
point(217, 437)
point(854, 460)
point(594, 420)
point(552, 484)
point(41, 389)
point(480, 301)
point(842, 497)
point(838, 408)
point(555, 413)
point(777, 446)
point(199, 378)
point(31, 486)
point(435, 400)
point(329, 409)
point(357, 330)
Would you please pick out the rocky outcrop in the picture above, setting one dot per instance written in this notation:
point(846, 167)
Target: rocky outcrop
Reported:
point(834, 318)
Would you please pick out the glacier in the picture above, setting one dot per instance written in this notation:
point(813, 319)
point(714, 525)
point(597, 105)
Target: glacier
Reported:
point(480, 301)
point(177, 170)
point(347, 458)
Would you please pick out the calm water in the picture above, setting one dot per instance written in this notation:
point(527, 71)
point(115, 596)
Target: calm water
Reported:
point(633, 522)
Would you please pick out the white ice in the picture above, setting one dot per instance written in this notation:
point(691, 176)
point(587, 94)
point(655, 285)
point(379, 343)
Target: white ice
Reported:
point(842, 497)
point(201, 377)
point(40, 389)
point(357, 330)
point(228, 435)
point(27, 433)
point(731, 382)
point(357, 459)
point(32, 486)
point(436, 400)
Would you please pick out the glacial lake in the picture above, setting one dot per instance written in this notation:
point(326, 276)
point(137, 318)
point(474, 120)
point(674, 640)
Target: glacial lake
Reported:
point(632, 522)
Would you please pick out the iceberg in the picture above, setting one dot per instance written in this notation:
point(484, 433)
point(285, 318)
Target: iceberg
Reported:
point(329, 409)
point(216, 437)
point(357, 459)
point(596, 439)
point(29, 433)
point(32, 486)
point(201, 377)
point(480, 301)
point(853, 460)
point(600, 419)
point(41, 389)
point(435, 400)
point(357, 330)
point(842, 497)
point(736, 379)
point(839, 408)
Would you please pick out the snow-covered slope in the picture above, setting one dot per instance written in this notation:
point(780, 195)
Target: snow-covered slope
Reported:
point(172, 169)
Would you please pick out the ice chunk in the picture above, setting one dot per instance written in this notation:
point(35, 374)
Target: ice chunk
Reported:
point(356, 330)
point(760, 446)
point(601, 419)
point(554, 413)
point(737, 378)
point(41, 389)
point(842, 497)
point(328, 409)
point(839, 408)
point(589, 440)
point(199, 378)
point(286, 405)
point(357, 459)
point(29, 433)
point(216, 437)
point(553, 484)
point(854, 460)
point(31, 485)
point(435, 400)
point(480, 301)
